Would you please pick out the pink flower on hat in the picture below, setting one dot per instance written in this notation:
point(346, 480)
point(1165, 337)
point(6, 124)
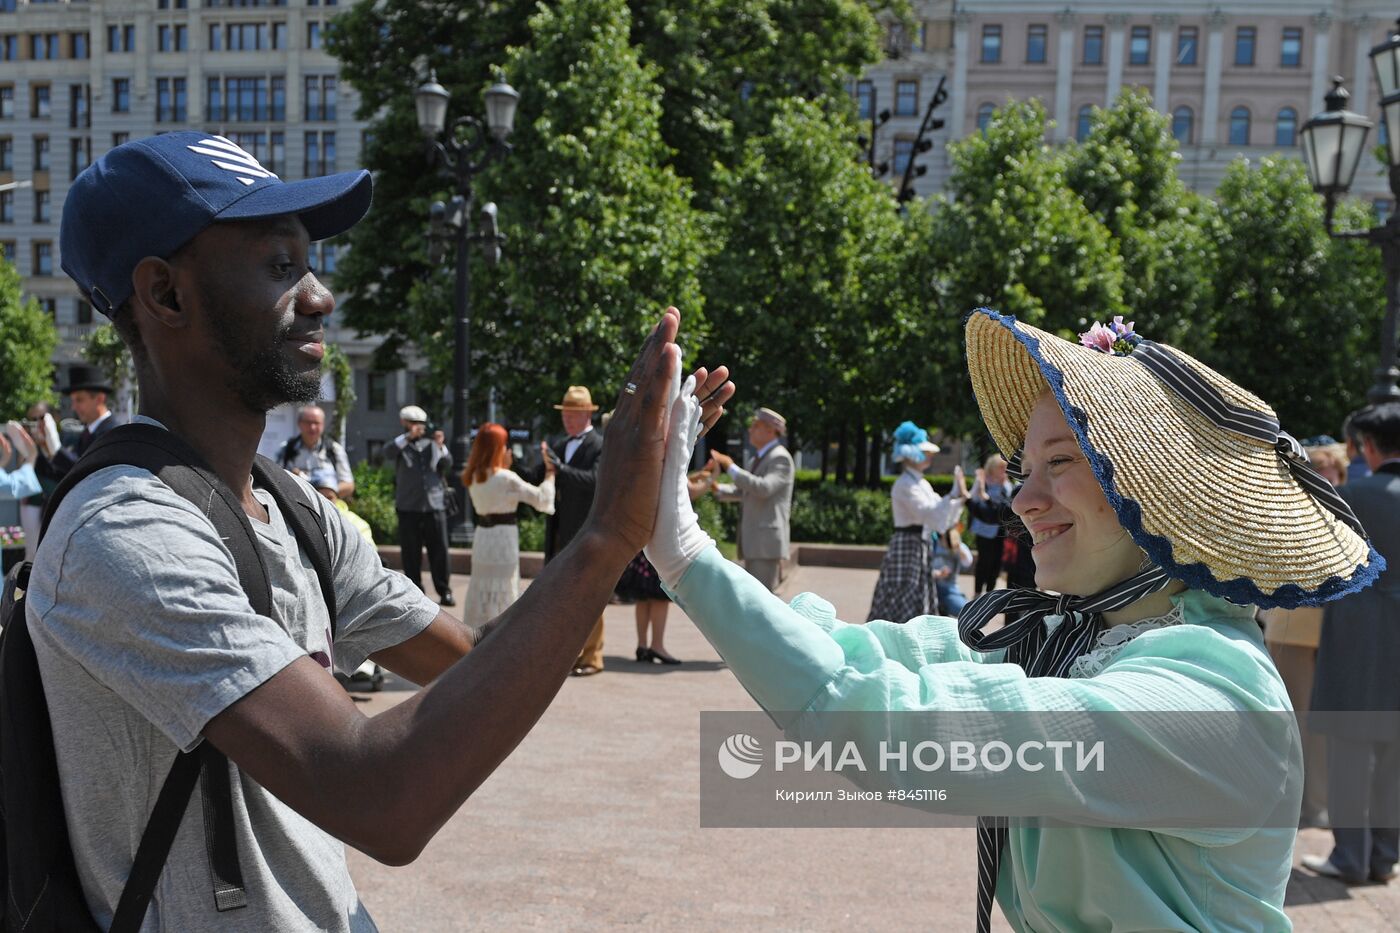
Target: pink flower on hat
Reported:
point(1098, 338)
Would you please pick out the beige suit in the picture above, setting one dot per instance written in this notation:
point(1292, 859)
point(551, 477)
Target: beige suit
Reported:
point(765, 491)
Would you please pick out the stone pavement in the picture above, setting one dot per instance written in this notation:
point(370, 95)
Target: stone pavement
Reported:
point(593, 823)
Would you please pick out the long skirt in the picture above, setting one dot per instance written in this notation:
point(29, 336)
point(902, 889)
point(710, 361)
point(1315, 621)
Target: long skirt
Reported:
point(495, 581)
point(905, 589)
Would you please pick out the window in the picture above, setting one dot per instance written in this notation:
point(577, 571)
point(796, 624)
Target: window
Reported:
point(79, 106)
point(1140, 46)
point(214, 100)
point(7, 154)
point(313, 34)
point(182, 38)
point(170, 100)
point(277, 153)
point(865, 99)
point(906, 98)
point(1035, 44)
point(83, 314)
point(7, 101)
point(279, 35)
point(9, 48)
point(319, 158)
point(1239, 126)
point(279, 98)
point(991, 44)
point(984, 115)
point(78, 42)
point(7, 249)
point(165, 38)
point(903, 153)
point(1093, 45)
point(1292, 48)
point(1085, 122)
point(43, 257)
point(43, 46)
point(41, 153)
point(1382, 207)
point(48, 305)
point(245, 37)
point(39, 103)
point(1183, 125)
point(120, 139)
point(325, 264)
point(1244, 45)
point(121, 95)
point(216, 37)
point(79, 155)
point(121, 38)
point(377, 391)
point(245, 100)
point(129, 38)
point(41, 207)
point(1286, 127)
point(7, 207)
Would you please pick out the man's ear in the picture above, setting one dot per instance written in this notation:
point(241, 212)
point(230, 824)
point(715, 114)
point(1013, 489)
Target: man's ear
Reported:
point(156, 292)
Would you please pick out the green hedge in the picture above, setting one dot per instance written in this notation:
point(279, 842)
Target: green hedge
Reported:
point(821, 512)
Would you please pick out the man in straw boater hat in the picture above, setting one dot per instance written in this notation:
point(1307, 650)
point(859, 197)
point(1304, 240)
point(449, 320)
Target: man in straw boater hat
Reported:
point(1124, 446)
point(764, 490)
point(153, 639)
point(575, 458)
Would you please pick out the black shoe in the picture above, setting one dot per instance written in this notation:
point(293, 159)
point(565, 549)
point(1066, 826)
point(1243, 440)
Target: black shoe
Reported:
point(663, 658)
point(447, 600)
point(644, 655)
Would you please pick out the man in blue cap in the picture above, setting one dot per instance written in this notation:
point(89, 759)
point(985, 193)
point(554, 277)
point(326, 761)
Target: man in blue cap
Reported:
point(148, 645)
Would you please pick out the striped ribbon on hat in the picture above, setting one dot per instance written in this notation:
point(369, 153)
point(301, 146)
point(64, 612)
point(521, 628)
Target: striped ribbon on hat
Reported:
point(1040, 652)
point(1257, 425)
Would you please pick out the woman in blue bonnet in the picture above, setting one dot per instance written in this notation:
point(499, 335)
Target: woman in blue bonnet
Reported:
point(1147, 581)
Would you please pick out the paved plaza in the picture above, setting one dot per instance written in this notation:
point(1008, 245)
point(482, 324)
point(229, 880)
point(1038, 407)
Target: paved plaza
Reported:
point(593, 823)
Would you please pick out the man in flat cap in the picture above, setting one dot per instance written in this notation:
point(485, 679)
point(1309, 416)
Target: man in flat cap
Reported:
point(575, 457)
point(421, 468)
point(765, 491)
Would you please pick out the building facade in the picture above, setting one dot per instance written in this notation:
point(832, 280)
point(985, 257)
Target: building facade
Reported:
point(77, 78)
point(1238, 79)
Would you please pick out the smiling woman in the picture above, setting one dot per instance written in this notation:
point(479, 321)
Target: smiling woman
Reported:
point(1124, 446)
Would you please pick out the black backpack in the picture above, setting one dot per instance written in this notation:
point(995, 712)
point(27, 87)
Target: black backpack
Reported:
point(42, 891)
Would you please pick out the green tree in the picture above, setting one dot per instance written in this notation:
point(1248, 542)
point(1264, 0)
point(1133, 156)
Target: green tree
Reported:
point(105, 349)
point(813, 295)
point(1125, 172)
point(602, 235)
point(1299, 312)
point(28, 339)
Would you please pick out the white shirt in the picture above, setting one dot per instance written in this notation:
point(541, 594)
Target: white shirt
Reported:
point(915, 503)
point(100, 418)
point(572, 446)
point(504, 490)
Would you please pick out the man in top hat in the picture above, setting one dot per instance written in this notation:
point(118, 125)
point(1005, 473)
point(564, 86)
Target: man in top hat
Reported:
point(421, 468)
point(88, 390)
point(765, 490)
point(575, 457)
point(146, 640)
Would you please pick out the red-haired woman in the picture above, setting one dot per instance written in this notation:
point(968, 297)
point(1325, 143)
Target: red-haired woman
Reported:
point(496, 492)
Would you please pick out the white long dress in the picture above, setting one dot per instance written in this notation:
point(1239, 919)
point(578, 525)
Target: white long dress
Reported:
point(495, 580)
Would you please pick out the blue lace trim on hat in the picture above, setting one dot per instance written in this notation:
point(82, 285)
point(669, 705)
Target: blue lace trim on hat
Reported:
point(1242, 591)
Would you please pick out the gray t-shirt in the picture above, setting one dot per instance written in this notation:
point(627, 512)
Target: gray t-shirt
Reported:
point(143, 635)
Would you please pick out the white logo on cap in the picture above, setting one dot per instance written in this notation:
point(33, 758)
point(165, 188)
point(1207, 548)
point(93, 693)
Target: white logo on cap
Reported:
point(230, 158)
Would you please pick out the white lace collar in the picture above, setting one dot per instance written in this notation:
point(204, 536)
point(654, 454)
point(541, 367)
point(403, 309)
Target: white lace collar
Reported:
point(1111, 641)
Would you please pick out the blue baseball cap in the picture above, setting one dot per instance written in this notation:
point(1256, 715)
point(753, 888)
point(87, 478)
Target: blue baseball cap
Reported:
point(149, 197)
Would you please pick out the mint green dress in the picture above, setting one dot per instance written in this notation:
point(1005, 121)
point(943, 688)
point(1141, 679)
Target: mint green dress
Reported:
point(799, 659)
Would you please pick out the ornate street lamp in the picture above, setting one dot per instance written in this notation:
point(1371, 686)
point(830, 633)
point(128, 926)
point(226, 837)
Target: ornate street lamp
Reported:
point(1333, 143)
point(462, 149)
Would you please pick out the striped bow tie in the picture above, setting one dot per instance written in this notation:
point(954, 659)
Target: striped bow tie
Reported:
point(1040, 653)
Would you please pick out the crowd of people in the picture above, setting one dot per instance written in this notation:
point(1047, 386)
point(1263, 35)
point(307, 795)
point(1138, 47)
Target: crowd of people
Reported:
point(182, 615)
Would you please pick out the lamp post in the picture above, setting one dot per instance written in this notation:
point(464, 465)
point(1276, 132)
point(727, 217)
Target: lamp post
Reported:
point(1333, 144)
point(466, 147)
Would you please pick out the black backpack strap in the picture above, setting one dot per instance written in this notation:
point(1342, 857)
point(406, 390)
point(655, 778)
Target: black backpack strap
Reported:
point(293, 499)
point(177, 465)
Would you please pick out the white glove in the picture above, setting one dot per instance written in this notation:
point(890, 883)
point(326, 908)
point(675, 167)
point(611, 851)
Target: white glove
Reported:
point(677, 540)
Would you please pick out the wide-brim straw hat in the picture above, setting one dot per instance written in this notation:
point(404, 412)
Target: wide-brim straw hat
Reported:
point(1234, 515)
point(577, 398)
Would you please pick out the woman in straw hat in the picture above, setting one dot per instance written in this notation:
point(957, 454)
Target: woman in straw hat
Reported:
point(905, 588)
point(1124, 446)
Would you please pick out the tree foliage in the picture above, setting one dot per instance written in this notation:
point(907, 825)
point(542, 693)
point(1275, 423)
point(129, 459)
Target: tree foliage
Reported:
point(28, 339)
